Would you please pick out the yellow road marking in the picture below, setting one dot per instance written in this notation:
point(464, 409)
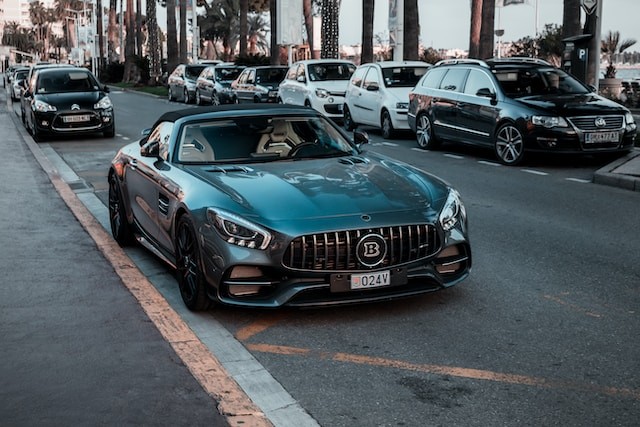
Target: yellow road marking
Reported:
point(255, 328)
point(453, 371)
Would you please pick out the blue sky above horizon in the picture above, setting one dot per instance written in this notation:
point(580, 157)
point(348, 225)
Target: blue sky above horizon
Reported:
point(445, 23)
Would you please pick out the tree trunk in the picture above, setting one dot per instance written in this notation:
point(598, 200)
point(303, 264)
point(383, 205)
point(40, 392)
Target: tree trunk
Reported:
point(130, 68)
point(154, 45)
point(100, 35)
point(366, 55)
point(139, 37)
point(112, 32)
point(307, 11)
point(487, 29)
point(244, 10)
point(275, 50)
point(172, 37)
point(183, 31)
point(411, 31)
point(330, 31)
point(474, 33)
point(571, 18)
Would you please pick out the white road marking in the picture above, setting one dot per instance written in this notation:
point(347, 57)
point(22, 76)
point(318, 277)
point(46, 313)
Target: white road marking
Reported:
point(535, 172)
point(389, 144)
point(581, 181)
point(484, 162)
point(454, 156)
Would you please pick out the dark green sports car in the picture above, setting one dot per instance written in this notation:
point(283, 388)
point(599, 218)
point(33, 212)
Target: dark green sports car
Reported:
point(271, 205)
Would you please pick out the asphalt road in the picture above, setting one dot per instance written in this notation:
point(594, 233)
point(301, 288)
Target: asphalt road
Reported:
point(543, 332)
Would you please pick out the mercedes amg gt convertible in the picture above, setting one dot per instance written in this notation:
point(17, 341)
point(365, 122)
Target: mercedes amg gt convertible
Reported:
point(275, 205)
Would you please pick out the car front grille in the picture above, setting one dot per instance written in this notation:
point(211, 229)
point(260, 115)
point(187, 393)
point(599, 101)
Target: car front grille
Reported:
point(594, 123)
point(336, 251)
point(93, 122)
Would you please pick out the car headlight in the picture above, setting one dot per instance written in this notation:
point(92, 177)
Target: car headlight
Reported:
point(43, 107)
point(226, 89)
point(322, 93)
point(453, 211)
point(238, 231)
point(103, 104)
point(549, 122)
point(629, 119)
point(402, 105)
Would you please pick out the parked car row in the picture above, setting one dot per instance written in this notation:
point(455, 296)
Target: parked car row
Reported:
point(61, 99)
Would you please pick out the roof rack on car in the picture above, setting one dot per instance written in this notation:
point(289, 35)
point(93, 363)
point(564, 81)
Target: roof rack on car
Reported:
point(520, 59)
point(462, 61)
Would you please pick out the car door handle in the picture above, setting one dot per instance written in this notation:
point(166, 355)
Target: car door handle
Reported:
point(133, 163)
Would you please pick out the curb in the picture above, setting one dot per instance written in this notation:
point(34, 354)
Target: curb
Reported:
point(607, 176)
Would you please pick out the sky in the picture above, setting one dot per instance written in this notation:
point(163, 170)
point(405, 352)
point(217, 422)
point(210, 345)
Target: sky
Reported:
point(445, 24)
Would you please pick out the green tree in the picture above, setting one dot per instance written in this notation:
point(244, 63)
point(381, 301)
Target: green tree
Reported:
point(611, 46)
point(548, 45)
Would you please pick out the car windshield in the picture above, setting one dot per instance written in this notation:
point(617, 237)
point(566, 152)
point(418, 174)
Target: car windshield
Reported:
point(331, 71)
point(538, 81)
point(260, 139)
point(270, 75)
point(70, 80)
point(21, 75)
point(193, 71)
point(227, 74)
point(402, 76)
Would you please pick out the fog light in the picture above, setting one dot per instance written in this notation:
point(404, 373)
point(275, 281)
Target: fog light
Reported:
point(548, 142)
point(44, 123)
point(244, 290)
point(330, 100)
point(449, 261)
point(244, 272)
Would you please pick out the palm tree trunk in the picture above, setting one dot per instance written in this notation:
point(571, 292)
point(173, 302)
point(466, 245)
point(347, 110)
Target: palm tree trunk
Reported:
point(571, 18)
point(129, 51)
point(275, 49)
point(367, 31)
point(172, 40)
point(330, 29)
point(100, 35)
point(112, 32)
point(183, 31)
point(411, 31)
point(154, 47)
point(307, 11)
point(244, 9)
point(474, 33)
point(487, 29)
point(139, 37)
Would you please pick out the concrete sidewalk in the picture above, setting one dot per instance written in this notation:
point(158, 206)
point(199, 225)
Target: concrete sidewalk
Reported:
point(75, 345)
point(623, 173)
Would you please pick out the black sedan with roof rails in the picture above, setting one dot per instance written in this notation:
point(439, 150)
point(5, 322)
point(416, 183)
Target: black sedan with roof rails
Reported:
point(267, 205)
point(67, 101)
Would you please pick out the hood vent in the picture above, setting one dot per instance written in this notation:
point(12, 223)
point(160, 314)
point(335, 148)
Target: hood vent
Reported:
point(227, 169)
point(352, 160)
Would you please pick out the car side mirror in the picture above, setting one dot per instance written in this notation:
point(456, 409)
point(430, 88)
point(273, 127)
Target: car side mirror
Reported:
point(105, 89)
point(301, 79)
point(486, 93)
point(373, 87)
point(360, 137)
point(150, 149)
point(593, 89)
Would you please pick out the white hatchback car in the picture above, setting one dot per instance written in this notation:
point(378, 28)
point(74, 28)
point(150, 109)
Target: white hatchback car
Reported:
point(378, 95)
point(317, 83)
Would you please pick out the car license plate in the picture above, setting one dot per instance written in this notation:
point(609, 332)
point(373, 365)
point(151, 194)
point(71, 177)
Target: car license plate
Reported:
point(600, 137)
point(75, 119)
point(371, 280)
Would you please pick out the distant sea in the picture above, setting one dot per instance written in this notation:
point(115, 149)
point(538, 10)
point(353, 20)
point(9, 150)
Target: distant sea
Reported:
point(627, 73)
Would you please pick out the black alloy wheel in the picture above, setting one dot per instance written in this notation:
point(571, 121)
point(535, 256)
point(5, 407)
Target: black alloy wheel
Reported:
point(190, 276)
point(509, 145)
point(347, 120)
point(120, 228)
point(214, 98)
point(424, 133)
point(386, 125)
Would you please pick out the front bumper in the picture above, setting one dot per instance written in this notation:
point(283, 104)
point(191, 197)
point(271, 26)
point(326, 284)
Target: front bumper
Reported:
point(78, 121)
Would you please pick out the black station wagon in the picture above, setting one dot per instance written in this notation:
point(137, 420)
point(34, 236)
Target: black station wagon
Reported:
point(516, 105)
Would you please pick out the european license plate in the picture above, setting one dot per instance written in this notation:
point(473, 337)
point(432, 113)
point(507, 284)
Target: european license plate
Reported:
point(601, 137)
point(75, 119)
point(371, 280)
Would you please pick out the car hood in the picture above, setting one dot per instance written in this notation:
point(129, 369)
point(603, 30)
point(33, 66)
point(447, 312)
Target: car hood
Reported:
point(64, 100)
point(399, 94)
point(321, 188)
point(573, 105)
point(331, 85)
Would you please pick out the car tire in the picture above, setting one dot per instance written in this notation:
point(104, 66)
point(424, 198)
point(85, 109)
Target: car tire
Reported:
point(170, 95)
point(198, 98)
point(37, 135)
point(425, 136)
point(109, 132)
point(185, 94)
point(386, 125)
point(191, 279)
point(120, 228)
point(214, 98)
point(347, 120)
point(509, 144)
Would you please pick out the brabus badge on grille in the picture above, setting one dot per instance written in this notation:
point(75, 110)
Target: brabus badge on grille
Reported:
point(75, 107)
point(371, 250)
point(600, 122)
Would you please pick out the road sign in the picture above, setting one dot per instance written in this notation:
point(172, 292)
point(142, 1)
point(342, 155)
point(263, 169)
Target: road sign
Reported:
point(589, 5)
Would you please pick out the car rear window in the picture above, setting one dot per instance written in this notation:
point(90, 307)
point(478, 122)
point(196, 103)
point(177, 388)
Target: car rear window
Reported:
point(538, 81)
point(319, 72)
point(402, 76)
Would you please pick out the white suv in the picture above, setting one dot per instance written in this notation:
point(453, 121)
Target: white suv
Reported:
point(378, 95)
point(317, 83)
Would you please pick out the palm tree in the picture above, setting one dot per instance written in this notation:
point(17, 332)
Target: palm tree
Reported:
point(172, 41)
point(130, 67)
point(476, 25)
point(41, 17)
point(330, 29)
point(244, 10)
point(612, 46)
point(307, 11)
point(275, 50)
point(411, 30)
point(571, 18)
point(256, 34)
point(366, 55)
point(154, 45)
point(487, 28)
point(182, 44)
